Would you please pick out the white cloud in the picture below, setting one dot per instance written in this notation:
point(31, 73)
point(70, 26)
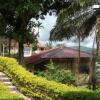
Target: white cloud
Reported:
point(96, 6)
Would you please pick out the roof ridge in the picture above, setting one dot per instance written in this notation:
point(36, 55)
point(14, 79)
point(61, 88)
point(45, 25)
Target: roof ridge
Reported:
point(78, 50)
point(57, 50)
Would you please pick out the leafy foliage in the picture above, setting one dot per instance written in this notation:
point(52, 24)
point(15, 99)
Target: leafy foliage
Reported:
point(17, 17)
point(97, 76)
point(59, 75)
point(79, 17)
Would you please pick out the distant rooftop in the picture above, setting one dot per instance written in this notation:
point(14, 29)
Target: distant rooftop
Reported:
point(57, 53)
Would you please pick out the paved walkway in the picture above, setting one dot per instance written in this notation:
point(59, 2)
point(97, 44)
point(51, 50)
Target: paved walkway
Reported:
point(13, 89)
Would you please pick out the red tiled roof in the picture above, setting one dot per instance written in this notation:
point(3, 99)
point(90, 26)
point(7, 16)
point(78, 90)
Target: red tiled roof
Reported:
point(36, 57)
point(32, 59)
point(57, 53)
point(65, 53)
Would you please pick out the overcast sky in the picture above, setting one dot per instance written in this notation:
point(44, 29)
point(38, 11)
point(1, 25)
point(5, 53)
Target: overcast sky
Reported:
point(49, 23)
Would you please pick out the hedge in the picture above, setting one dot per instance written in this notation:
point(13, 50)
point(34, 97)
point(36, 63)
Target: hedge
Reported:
point(6, 95)
point(39, 88)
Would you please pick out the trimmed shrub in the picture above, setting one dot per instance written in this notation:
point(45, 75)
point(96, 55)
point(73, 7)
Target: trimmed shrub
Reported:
point(6, 95)
point(39, 88)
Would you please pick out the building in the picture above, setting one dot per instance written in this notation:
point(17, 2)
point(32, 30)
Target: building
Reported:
point(66, 57)
point(40, 47)
point(15, 46)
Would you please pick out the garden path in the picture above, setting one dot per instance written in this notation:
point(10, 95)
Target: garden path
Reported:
point(7, 82)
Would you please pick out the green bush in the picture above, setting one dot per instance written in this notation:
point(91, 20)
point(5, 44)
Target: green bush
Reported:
point(39, 88)
point(63, 76)
point(6, 95)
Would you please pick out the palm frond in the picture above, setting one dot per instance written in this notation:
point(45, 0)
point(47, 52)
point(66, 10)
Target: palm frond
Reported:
point(73, 20)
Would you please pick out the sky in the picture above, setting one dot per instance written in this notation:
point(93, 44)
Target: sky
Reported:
point(50, 22)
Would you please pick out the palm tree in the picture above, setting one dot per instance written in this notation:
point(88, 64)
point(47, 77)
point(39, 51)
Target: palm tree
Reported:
point(39, 25)
point(81, 15)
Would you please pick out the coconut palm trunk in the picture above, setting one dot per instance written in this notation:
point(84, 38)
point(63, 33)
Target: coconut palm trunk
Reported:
point(92, 66)
point(96, 54)
point(79, 51)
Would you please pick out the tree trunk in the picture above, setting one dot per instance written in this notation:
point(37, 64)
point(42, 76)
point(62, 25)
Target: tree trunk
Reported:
point(38, 30)
point(91, 66)
point(23, 20)
point(93, 74)
point(94, 59)
point(21, 53)
point(79, 51)
point(9, 47)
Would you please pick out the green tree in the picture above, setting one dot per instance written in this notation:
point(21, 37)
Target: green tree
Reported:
point(18, 14)
point(39, 25)
point(49, 45)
